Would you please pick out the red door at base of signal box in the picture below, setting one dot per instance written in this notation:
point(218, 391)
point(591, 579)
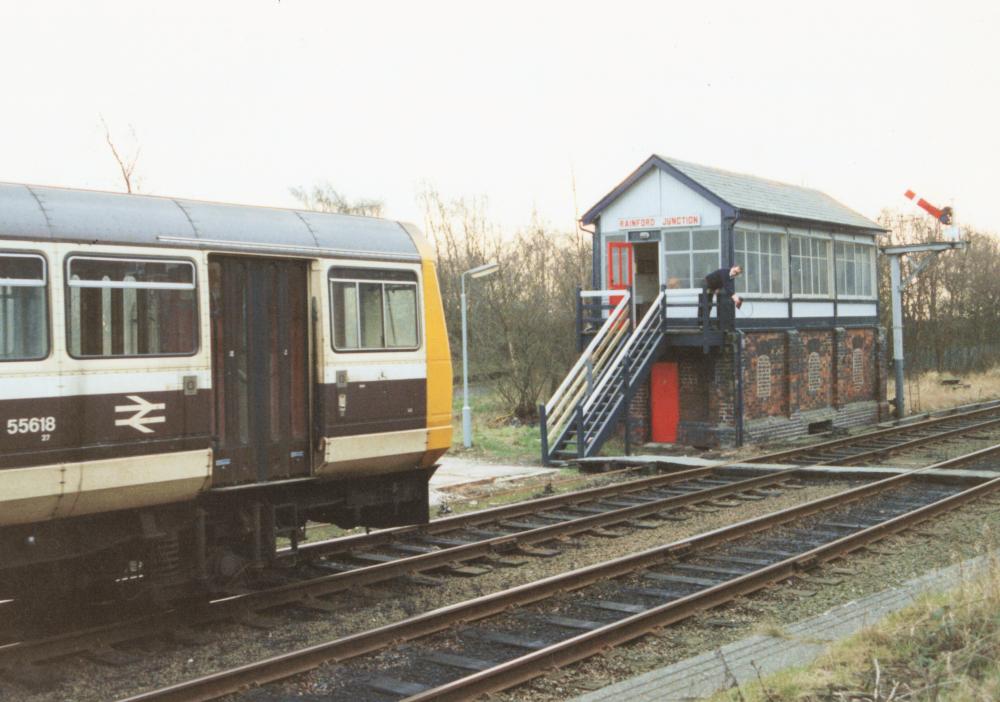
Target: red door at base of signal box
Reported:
point(664, 402)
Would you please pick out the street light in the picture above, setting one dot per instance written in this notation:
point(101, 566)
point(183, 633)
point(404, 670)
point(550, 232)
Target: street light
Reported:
point(477, 272)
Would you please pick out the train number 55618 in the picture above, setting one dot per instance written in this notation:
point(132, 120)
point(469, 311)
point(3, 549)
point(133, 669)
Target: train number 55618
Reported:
point(31, 425)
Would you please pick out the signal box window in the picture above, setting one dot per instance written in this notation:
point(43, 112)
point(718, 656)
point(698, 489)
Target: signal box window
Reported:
point(24, 328)
point(810, 265)
point(760, 254)
point(373, 310)
point(690, 256)
point(130, 307)
point(854, 269)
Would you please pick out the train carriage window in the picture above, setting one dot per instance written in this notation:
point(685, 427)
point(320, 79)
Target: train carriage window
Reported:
point(24, 328)
point(373, 310)
point(400, 313)
point(130, 307)
point(372, 319)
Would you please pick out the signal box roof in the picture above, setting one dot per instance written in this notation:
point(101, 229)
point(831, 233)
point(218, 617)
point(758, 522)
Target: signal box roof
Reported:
point(745, 195)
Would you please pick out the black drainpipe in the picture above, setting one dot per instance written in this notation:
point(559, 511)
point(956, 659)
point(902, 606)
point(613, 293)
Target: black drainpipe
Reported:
point(729, 221)
point(738, 414)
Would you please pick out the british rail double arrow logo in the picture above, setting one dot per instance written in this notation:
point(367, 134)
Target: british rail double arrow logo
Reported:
point(139, 420)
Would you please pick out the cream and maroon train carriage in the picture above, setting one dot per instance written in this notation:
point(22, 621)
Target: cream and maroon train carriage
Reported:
point(182, 381)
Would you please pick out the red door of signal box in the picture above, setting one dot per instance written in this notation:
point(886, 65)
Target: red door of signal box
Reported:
point(619, 268)
point(665, 406)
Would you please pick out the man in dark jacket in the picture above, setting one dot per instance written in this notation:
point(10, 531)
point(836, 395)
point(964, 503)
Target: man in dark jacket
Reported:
point(724, 280)
point(722, 283)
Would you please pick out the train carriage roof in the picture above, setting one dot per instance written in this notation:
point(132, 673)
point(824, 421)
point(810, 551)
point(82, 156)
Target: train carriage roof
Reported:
point(94, 217)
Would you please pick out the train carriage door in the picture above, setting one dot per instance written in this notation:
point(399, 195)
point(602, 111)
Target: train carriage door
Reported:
point(259, 369)
point(619, 268)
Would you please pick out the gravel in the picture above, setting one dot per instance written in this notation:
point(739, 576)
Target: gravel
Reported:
point(161, 662)
point(969, 531)
point(958, 535)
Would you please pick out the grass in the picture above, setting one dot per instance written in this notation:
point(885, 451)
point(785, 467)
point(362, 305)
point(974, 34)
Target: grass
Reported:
point(945, 646)
point(498, 439)
point(495, 438)
point(926, 392)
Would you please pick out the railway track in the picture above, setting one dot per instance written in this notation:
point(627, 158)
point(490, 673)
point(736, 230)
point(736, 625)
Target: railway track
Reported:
point(463, 545)
point(499, 640)
point(877, 445)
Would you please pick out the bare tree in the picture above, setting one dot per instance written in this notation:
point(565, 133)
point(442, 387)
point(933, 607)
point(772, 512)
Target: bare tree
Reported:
point(952, 309)
point(325, 198)
point(521, 320)
point(126, 162)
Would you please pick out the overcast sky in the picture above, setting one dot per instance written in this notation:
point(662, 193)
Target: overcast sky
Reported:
point(239, 100)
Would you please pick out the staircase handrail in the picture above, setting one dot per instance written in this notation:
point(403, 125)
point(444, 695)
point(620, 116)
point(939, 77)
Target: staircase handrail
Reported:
point(653, 312)
point(566, 395)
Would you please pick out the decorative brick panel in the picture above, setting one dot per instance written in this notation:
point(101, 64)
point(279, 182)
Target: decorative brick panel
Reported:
point(778, 400)
point(767, 350)
point(814, 368)
point(763, 377)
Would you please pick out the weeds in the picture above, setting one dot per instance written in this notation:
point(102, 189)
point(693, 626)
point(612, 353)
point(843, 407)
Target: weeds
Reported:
point(931, 391)
point(946, 646)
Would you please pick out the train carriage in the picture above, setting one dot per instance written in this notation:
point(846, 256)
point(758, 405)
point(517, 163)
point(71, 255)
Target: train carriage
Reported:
point(182, 382)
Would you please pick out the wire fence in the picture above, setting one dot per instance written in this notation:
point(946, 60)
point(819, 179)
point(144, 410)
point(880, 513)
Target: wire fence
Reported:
point(952, 359)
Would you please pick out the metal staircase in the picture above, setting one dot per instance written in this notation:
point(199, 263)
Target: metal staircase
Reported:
point(593, 397)
point(585, 409)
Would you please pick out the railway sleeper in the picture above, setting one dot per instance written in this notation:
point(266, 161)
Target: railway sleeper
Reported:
point(556, 517)
point(520, 525)
point(529, 550)
point(571, 623)
point(444, 541)
point(466, 570)
point(394, 686)
point(727, 560)
point(774, 555)
point(504, 639)
point(504, 561)
point(583, 509)
point(612, 606)
point(728, 504)
point(412, 549)
point(629, 502)
point(680, 579)
point(655, 592)
point(454, 660)
point(710, 569)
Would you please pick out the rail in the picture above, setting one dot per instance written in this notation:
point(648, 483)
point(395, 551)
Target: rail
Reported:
point(705, 593)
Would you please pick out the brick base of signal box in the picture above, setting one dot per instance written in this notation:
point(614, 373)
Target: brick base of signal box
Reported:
point(793, 382)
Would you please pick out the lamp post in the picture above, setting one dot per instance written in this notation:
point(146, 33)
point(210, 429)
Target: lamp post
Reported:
point(477, 272)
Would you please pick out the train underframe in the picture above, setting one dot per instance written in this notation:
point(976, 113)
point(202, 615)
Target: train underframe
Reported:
point(211, 545)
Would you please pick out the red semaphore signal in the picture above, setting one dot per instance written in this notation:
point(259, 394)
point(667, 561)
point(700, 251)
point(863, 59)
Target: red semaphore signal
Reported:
point(943, 215)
